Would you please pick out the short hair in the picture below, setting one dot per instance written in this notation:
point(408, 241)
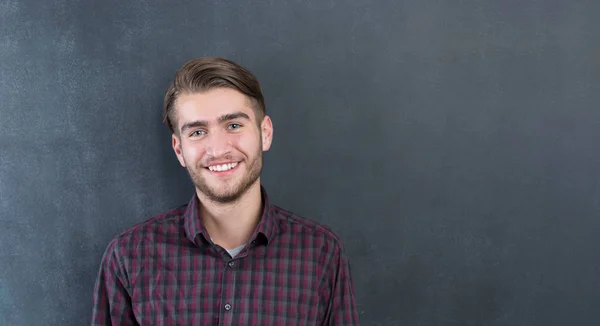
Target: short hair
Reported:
point(203, 74)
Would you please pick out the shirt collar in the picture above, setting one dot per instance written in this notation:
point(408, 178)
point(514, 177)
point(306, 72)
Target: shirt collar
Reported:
point(265, 230)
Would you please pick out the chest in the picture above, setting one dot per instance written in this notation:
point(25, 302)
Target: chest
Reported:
point(260, 286)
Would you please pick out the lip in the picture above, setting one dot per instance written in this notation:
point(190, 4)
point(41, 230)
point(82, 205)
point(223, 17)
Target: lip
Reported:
point(223, 173)
point(220, 163)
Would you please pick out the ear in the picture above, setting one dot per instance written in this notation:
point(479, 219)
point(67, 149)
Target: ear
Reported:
point(267, 133)
point(176, 143)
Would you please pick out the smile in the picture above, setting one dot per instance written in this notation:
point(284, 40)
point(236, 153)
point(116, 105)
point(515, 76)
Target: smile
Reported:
point(223, 167)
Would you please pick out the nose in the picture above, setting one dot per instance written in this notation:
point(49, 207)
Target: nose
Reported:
point(218, 144)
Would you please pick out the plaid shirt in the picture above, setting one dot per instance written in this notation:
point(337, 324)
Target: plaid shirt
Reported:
point(167, 271)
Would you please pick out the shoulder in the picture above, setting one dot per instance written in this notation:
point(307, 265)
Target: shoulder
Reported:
point(305, 228)
point(166, 225)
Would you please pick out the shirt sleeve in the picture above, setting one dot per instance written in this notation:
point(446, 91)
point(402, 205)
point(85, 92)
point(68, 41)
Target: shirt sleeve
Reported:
point(342, 305)
point(112, 303)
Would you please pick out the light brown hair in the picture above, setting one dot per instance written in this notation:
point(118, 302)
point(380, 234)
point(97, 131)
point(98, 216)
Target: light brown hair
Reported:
point(203, 74)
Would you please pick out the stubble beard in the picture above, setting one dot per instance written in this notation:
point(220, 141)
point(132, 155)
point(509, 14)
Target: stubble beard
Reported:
point(231, 192)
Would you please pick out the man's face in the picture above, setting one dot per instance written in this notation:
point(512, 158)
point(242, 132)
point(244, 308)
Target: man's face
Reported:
point(220, 143)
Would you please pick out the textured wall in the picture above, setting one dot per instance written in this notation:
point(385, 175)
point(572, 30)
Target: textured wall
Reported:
point(451, 144)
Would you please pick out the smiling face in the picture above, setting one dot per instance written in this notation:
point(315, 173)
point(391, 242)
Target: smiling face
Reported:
point(220, 142)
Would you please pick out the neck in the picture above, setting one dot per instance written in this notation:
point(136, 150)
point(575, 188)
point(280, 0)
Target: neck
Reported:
point(231, 224)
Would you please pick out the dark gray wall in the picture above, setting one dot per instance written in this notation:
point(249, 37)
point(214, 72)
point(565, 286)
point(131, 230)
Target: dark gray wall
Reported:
point(451, 144)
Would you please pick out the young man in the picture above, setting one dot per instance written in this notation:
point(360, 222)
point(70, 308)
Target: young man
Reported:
point(228, 257)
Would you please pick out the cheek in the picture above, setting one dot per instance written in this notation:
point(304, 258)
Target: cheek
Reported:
point(247, 143)
point(191, 153)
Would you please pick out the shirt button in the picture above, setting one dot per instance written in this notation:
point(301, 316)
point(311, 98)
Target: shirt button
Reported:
point(227, 307)
point(231, 264)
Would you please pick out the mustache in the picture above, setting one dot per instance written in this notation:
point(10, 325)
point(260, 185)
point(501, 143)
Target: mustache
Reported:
point(216, 159)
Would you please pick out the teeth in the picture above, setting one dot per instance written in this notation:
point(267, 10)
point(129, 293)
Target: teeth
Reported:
point(222, 167)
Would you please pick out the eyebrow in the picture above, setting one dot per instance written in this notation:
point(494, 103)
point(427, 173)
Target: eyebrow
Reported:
point(223, 118)
point(233, 116)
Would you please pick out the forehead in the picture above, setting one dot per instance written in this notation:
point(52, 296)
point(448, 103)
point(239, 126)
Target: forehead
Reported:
point(210, 105)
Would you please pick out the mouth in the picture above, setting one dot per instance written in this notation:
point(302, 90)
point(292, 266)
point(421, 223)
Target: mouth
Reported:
point(222, 169)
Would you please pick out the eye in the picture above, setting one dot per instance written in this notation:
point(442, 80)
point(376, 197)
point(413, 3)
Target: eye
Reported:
point(234, 126)
point(199, 132)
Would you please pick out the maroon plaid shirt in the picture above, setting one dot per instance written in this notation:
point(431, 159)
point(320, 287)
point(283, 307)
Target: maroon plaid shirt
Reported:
point(167, 271)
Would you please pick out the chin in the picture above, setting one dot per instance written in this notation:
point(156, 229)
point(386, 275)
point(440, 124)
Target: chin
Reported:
point(223, 197)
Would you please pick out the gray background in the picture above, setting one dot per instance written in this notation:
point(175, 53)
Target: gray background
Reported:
point(451, 144)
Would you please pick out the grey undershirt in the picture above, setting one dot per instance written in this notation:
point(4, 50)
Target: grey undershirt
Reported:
point(233, 252)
